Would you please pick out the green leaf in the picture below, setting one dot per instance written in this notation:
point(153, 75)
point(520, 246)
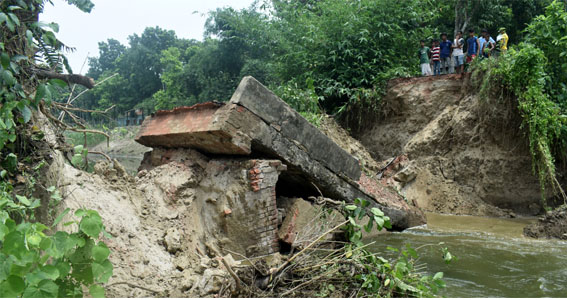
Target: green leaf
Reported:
point(91, 225)
point(80, 212)
point(64, 268)
point(10, 24)
point(438, 275)
point(77, 160)
point(40, 92)
point(29, 37)
point(12, 287)
point(58, 82)
point(103, 271)
point(377, 212)
point(447, 257)
point(26, 113)
point(60, 217)
point(14, 18)
point(351, 207)
point(51, 272)
point(23, 200)
point(3, 17)
point(3, 230)
point(18, 58)
point(34, 239)
point(45, 243)
point(380, 222)
point(352, 221)
point(100, 252)
point(96, 291)
point(5, 60)
point(8, 77)
point(45, 289)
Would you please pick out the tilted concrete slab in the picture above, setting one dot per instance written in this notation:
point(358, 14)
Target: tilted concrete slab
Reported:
point(274, 111)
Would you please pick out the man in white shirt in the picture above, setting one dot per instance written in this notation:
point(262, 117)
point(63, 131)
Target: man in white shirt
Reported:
point(458, 55)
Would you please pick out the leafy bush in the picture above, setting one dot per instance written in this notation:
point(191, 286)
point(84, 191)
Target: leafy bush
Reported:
point(382, 277)
point(36, 264)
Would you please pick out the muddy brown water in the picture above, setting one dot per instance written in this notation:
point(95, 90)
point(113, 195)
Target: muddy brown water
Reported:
point(493, 258)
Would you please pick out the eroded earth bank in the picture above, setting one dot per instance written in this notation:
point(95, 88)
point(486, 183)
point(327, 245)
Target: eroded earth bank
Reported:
point(225, 185)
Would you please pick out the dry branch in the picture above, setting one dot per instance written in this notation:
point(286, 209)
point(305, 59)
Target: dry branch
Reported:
point(306, 248)
point(105, 156)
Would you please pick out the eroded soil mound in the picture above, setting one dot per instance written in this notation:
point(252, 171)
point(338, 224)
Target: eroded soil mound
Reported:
point(551, 225)
point(450, 151)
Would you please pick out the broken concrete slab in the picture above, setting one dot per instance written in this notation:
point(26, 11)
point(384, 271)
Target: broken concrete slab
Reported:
point(202, 127)
point(192, 127)
point(293, 126)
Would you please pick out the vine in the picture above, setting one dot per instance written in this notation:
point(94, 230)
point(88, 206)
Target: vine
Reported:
point(523, 71)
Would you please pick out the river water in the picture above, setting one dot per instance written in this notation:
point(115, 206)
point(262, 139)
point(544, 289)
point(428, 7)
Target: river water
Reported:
point(493, 258)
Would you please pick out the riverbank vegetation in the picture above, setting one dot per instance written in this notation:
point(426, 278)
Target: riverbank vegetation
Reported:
point(535, 73)
point(341, 53)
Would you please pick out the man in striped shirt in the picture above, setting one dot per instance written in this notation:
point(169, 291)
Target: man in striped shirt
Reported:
point(435, 57)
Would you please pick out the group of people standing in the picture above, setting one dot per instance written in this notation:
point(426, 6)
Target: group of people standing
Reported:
point(447, 57)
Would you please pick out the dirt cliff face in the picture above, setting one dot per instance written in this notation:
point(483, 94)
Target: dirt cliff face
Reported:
point(450, 151)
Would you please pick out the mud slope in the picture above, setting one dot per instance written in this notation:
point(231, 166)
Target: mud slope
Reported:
point(456, 153)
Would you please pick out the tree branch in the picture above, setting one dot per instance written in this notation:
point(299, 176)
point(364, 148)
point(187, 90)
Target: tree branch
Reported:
point(69, 78)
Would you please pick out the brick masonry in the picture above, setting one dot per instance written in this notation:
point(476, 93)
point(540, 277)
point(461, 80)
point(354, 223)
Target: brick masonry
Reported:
point(263, 176)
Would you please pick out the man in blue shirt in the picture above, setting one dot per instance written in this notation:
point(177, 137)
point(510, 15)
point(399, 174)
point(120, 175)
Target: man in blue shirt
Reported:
point(473, 46)
point(445, 53)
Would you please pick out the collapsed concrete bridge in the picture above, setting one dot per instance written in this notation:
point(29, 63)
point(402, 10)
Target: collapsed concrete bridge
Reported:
point(280, 153)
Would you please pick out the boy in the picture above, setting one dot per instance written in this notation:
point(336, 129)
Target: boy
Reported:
point(473, 46)
point(424, 53)
point(458, 55)
point(488, 46)
point(435, 57)
point(445, 53)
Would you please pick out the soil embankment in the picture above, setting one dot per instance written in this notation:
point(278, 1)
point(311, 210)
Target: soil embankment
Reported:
point(551, 225)
point(450, 151)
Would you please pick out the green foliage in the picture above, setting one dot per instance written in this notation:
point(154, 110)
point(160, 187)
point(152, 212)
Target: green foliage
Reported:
point(80, 156)
point(36, 264)
point(548, 32)
point(382, 277)
point(339, 52)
